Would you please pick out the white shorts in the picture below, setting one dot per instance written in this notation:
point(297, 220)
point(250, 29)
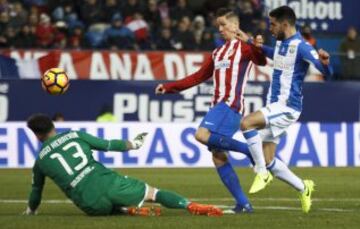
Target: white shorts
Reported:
point(278, 118)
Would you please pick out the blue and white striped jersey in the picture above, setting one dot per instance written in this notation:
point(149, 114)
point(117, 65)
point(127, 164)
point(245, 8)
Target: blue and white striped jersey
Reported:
point(291, 62)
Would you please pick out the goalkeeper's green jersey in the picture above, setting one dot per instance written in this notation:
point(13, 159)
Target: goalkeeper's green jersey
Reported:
point(67, 159)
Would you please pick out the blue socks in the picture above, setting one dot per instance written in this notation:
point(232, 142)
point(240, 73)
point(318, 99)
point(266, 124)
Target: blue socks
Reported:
point(231, 181)
point(227, 143)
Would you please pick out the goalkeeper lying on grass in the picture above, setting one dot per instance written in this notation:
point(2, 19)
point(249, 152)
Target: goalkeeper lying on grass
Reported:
point(67, 159)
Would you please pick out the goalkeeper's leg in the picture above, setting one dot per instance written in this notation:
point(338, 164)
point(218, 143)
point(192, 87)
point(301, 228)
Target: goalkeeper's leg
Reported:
point(173, 200)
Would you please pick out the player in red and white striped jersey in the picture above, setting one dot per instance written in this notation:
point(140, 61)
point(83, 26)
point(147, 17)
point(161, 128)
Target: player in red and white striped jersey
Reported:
point(228, 66)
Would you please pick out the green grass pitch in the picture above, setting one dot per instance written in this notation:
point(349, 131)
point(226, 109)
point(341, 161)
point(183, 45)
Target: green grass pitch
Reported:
point(336, 202)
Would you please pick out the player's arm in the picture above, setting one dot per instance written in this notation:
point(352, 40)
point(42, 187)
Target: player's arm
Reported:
point(114, 144)
point(203, 74)
point(320, 59)
point(268, 51)
point(38, 181)
point(257, 43)
point(255, 54)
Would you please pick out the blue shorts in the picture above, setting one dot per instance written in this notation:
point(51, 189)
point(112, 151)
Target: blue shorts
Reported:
point(221, 119)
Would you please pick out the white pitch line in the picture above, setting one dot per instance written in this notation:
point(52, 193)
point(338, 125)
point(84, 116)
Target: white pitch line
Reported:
point(4, 201)
point(289, 208)
point(206, 200)
point(282, 199)
point(7, 201)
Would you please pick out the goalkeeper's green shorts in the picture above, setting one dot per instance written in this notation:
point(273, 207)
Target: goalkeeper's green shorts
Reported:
point(116, 191)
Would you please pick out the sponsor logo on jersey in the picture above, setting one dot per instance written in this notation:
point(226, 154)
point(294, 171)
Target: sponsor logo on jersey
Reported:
point(222, 64)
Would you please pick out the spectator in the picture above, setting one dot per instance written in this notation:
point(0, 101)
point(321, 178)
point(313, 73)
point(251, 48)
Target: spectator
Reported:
point(4, 6)
point(248, 16)
point(119, 36)
point(166, 23)
point(184, 38)
point(33, 20)
point(214, 5)
point(60, 39)
point(152, 14)
point(91, 12)
point(198, 28)
point(265, 33)
point(180, 11)
point(165, 42)
point(25, 38)
point(8, 38)
point(106, 114)
point(77, 39)
point(164, 9)
point(131, 7)
point(67, 14)
point(45, 32)
point(350, 48)
point(58, 117)
point(306, 33)
point(4, 21)
point(18, 16)
point(140, 28)
point(111, 8)
point(207, 41)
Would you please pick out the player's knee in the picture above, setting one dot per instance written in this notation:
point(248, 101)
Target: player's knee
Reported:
point(201, 136)
point(245, 124)
point(151, 194)
point(219, 159)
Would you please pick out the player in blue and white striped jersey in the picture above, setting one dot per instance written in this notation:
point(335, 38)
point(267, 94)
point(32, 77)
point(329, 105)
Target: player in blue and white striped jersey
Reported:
point(292, 56)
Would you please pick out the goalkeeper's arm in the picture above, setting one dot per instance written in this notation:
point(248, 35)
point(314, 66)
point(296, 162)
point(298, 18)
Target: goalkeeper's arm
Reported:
point(38, 182)
point(113, 145)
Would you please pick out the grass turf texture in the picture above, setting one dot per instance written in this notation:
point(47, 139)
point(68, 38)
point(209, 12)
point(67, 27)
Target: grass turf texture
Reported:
point(336, 201)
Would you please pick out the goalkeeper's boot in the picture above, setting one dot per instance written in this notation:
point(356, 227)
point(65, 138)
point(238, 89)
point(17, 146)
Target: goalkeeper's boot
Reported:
point(260, 182)
point(305, 197)
point(203, 209)
point(144, 211)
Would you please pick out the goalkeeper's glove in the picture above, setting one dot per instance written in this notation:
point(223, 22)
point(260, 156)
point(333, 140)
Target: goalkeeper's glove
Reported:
point(138, 141)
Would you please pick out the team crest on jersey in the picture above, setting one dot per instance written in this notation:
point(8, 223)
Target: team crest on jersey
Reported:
point(292, 49)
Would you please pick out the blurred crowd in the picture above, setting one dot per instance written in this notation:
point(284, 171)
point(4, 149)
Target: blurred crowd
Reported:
point(121, 24)
point(141, 25)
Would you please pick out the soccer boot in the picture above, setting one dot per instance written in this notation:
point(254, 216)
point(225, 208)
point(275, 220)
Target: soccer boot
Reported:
point(305, 197)
point(260, 182)
point(240, 209)
point(202, 209)
point(144, 211)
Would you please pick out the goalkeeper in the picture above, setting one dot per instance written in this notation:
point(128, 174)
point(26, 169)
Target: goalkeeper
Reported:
point(67, 159)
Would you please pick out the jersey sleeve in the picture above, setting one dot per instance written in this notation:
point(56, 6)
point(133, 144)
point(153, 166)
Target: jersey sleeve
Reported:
point(309, 54)
point(255, 54)
point(102, 144)
point(268, 51)
point(203, 74)
point(38, 181)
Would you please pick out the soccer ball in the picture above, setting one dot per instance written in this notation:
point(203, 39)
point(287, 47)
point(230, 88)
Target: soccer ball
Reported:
point(55, 81)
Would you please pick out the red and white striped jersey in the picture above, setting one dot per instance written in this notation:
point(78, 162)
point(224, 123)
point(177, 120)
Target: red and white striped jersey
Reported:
point(228, 66)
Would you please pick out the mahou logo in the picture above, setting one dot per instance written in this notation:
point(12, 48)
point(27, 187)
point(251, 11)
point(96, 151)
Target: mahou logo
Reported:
point(305, 9)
